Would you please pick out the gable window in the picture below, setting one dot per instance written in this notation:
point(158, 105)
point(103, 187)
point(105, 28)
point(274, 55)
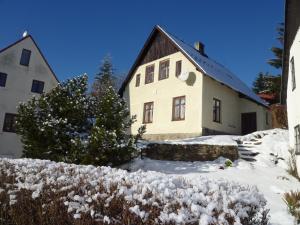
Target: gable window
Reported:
point(148, 112)
point(138, 80)
point(178, 112)
point(178, 68)
point(217, 110)
point(297, 139)
point(149, 75)
point(9, 122)
point(25, 57)
point(37, 86)
point(163, 69)
point(3, 77)
point(292, 64)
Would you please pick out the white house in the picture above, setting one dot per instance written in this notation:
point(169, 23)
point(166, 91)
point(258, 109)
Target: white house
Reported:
point(178, 91)
point(24, 72)
point(291, 73)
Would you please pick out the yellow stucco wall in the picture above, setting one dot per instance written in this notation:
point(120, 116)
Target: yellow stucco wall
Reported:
point(162, 92)
point(199, 103)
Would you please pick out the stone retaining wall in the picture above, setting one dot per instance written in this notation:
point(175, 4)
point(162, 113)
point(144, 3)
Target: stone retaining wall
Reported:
point(191, 152)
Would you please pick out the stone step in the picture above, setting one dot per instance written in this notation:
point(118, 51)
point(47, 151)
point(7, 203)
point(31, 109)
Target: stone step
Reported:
point(246, 146)
point(249, 154)
point(248, 158)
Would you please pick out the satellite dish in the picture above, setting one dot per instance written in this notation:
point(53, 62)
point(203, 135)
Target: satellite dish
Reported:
point(183, 76)
point(25, 33)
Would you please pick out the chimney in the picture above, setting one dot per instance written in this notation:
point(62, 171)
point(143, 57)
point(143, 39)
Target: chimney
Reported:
point(199, 46)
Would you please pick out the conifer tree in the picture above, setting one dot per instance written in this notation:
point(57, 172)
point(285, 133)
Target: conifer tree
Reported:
point(55, 125)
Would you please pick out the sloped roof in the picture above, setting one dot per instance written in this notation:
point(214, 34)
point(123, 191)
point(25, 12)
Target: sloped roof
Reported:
point(31, 38)
point(208, 66)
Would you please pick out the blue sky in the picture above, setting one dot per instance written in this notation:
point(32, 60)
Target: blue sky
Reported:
point(75, 35)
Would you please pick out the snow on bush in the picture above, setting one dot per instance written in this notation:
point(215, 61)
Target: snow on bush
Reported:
point(43, 189)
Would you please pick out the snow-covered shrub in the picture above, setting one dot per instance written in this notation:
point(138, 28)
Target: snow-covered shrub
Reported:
point(44, 192)
point(70, 125)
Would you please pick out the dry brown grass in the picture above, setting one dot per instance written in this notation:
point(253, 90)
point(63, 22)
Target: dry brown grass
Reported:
point(292, 200)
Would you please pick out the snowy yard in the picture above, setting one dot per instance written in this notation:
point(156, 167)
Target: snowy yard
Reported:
point(270, 178)
point(165, 192)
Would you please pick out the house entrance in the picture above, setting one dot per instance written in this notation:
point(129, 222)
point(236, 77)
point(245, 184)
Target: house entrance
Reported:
point(249, 123)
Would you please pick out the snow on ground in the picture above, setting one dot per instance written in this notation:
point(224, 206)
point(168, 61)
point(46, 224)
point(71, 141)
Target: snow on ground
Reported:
point(211, 140)
point(204, 200)
point(270, 178)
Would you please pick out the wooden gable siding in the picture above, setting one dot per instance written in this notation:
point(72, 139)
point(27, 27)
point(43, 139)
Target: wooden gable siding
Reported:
point(159, 47)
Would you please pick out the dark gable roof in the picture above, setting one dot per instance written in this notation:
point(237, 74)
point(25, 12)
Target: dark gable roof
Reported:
point(206, 65)
point(22, 39)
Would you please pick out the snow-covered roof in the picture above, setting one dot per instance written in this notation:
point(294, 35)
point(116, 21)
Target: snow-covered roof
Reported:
point(214, 69)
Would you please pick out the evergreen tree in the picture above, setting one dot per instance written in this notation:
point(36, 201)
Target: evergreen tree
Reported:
point(104, 78)
point(55, 125)
point(278, 51)
point(111, 142)
point(69, 124)
point(259, 84)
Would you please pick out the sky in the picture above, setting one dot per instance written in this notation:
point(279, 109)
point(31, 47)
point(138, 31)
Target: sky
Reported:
point(75, 35)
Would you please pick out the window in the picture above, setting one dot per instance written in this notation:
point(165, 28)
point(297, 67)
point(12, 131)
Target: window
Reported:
point(25, 57)
point(178, 68)
point(217, 111)
point(178, 108)
point(149, 75)
point(293, 73)
point(267, 118)
point(138, 80)
point(297, 139)
point(148, 112)
point(9, 122)
point(163, 70)
point(3, 77)
point(37, 86)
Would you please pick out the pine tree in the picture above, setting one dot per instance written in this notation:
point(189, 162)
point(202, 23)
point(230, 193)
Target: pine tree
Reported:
point(55, 125)
point(111, 142)
point(259, 85)
point(104, 78)
point(278, 51)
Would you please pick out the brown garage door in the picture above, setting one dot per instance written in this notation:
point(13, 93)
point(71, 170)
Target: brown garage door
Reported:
point(249, 123)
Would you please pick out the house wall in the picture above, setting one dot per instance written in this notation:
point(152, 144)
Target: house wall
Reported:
point(230, 109)
point(18, 88)
point(247, 106)
point(293, 96)
point(162, 92)
point(232, 106)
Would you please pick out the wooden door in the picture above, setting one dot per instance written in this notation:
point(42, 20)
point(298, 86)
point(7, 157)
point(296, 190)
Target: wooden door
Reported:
point(249, 123)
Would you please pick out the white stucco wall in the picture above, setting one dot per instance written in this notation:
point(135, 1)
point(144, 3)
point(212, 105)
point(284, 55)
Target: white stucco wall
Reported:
point(293, 96)
point(18, 88)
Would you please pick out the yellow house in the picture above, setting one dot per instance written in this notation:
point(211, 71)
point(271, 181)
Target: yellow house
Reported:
point(178, 91)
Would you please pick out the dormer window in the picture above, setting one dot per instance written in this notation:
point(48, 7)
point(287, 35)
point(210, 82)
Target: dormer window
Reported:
point(25, 57)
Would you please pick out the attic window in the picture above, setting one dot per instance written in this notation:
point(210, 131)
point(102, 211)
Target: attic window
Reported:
point(163, 69)
point(149, 75)
point(25, 57)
